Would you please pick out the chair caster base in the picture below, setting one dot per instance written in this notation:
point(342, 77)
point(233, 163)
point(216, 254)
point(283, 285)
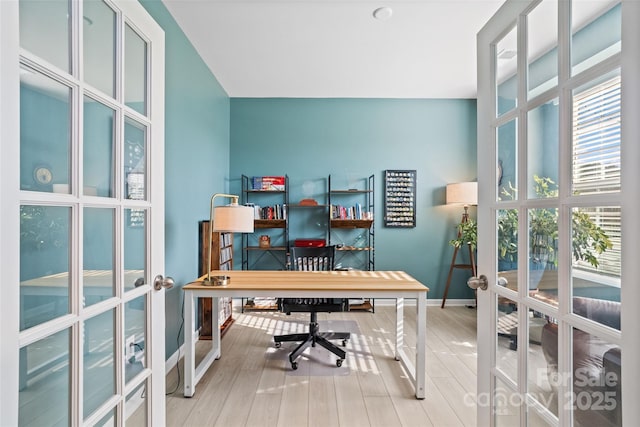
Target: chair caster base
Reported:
point(339, 362)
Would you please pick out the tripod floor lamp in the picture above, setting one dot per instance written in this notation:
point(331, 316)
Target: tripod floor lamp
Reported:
point(465, 194)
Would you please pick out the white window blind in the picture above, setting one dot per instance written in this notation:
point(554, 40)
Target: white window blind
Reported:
point(596, 139)
point(596, 162)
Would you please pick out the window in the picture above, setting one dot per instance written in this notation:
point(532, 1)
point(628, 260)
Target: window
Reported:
point(596, 138)
point(596, 161)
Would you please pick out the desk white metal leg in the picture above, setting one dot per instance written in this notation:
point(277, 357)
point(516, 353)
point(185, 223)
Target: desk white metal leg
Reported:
point(193, 373)
point(421, 346)
point(215, 327)
point(189, 344)
point(399, 327)
point(418, 371)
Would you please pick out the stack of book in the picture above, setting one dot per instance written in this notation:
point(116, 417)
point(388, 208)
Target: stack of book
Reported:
point(342, 212)
point(225, 255)
point(269, 212)
point(268, 183)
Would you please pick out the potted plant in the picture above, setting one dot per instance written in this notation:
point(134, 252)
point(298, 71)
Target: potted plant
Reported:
point(467, 235)
point(588, 239)
point(507, 239)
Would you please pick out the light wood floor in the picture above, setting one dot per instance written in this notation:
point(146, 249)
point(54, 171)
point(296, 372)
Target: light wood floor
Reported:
point(246, 387)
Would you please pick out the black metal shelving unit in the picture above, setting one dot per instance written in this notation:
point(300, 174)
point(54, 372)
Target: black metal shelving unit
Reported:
point(276, 229)
point(354, 232)
point(274, 256)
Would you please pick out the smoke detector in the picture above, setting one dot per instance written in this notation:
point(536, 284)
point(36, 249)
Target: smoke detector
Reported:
point(383, 13)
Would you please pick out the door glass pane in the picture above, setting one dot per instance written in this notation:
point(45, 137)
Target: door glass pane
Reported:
point(596, 262)
point(543, 150)
point(45, 136)
point(508, 244)
point(596, 136)
point(597, 383)
point(134, 337)
point(543, 252)
point(135, 71)
point(135, 168)
point(605, 312)
point(507, 405)
point(45, 378)
point(535, 419)
point(506, 79)
point(507, 340)
point(135, 407)
point(98, 269)
point(44, 30)
point(99, 361)
point(542, 362)
point(542, 54)
point(134, 248)
point(596, 30)
point(107, 420)
point(99, 41)
point(44, 263)
point(98, 149)
point(507, 141)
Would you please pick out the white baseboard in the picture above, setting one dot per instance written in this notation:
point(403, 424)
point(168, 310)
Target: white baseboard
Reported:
point(411, 301)
point(430, 302)
point(453, 302)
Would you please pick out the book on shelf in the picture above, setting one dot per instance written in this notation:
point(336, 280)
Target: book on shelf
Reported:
point(226, 254)
point(268, 212)
point(268, 183)
point(225, 239)
point(352, 212)
point(264, 302)
point(224, 309)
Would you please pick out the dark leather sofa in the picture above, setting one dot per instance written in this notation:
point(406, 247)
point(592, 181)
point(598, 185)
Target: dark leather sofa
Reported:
point(596, 365)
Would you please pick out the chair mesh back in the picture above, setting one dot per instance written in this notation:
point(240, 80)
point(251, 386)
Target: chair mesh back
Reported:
point(313, 259)
point(312, 263)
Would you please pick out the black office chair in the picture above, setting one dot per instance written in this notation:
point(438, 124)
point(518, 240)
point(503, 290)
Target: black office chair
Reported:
point(313, 259)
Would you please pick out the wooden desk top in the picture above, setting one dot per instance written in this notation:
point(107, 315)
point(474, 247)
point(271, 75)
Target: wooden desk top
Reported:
point(261, 280)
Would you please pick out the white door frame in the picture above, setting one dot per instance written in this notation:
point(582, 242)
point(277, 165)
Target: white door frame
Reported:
point(10, 337)
point(630, 207)
point(155, 237)
point(496, 28)
point(9, 217)
point(486, 106)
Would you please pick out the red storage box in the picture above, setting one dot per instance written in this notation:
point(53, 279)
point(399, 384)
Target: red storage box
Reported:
point(310, 243)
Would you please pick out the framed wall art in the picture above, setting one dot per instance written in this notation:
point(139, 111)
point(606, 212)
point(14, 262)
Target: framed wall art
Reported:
point(399, 198)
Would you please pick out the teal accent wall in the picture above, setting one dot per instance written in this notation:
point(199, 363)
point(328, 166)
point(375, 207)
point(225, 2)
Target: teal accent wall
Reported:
point(308, 139)
point(197, 158)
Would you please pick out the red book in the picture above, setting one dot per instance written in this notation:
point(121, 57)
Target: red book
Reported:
point(273, 183)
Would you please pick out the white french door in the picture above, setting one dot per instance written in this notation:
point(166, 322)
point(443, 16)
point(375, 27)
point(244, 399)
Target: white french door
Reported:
point(558, 97)
point(82, 230)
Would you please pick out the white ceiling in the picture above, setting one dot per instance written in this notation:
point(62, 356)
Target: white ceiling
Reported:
point(336, 49)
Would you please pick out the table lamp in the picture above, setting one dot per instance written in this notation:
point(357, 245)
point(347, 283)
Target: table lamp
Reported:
point(231, 218)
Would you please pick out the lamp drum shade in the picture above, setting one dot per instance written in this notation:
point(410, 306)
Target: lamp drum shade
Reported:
point(462, 193)
point(233, 219)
